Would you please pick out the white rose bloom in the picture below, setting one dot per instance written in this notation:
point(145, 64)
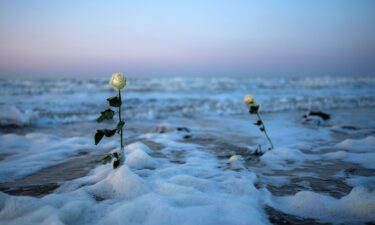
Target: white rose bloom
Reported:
point(235, 162)
point(248, 99)
point(118, 81)
point(234, 158)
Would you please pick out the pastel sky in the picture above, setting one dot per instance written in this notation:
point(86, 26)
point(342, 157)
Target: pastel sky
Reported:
point(186, 38)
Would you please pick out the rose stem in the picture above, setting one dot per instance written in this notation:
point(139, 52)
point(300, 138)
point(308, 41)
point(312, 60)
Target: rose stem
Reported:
point(119, 117)
point(265, 132)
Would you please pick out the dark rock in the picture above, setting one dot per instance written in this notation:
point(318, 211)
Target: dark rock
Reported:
point(320, 114)
point(315, 117)
point(183, 129)
point(348, 127)
point(164, 128)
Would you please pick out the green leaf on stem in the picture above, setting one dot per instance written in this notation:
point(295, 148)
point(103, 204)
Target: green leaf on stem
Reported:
point(258, 123)
point(105, 132)
point(120, 125)
point(108, 132)
point(261, 129)
point(106, 159)
point(105, 115)
point(116, 155)
point(98, 136)
point(116, 163)
point(254, 109)
point(114, 101)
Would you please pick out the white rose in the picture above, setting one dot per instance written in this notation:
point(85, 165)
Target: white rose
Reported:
point(118, 81)
point(248, 99)
point(235, 162)
point(234, 158)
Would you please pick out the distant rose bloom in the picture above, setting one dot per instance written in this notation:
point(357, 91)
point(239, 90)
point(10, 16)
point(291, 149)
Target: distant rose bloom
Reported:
point(248, 99)
point(234, 158)
point(118, 81)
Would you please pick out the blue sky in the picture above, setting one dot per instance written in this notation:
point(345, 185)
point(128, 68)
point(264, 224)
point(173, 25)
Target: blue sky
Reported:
point(193, 38)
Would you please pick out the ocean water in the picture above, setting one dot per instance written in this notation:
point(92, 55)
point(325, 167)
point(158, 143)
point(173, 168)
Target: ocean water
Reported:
point(47, 102)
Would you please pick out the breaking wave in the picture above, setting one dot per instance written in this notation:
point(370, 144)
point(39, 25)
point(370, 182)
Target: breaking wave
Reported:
point(71, 100)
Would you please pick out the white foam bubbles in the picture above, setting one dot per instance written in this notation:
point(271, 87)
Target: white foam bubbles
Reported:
point(360, 145)
point(138, 159)
point(358, 206)
point(11, 115)
point(119, 183)
point(137, 146)
point(285, 158)
point(34, 151)
point(359, 151)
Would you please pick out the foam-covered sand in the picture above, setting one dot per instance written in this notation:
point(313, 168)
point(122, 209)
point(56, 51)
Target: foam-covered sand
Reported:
point(174, 176)
point(356, 207)
point(192, 193)
point(32, 152)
